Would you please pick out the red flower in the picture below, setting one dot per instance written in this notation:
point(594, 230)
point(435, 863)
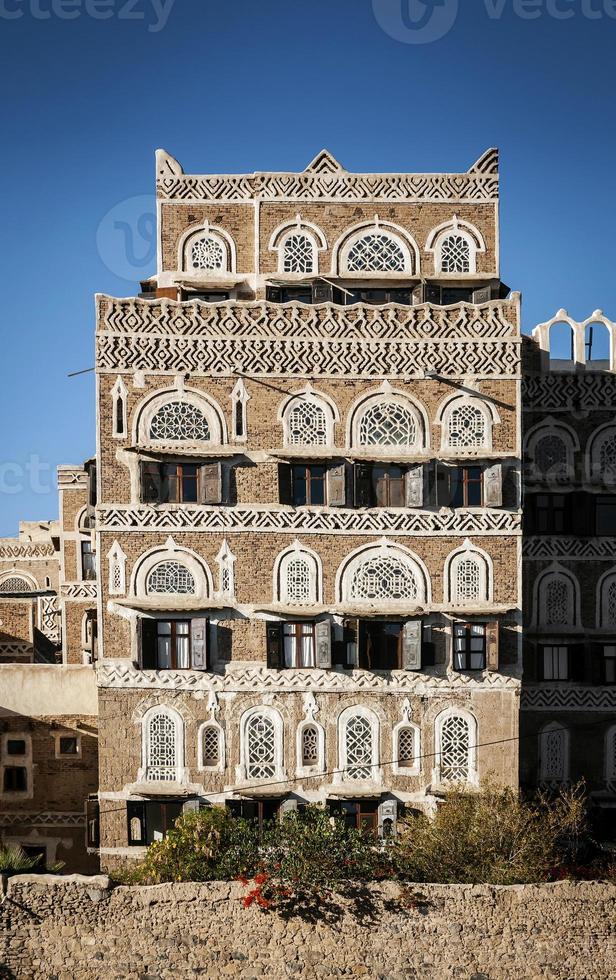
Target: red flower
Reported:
point(261, 878)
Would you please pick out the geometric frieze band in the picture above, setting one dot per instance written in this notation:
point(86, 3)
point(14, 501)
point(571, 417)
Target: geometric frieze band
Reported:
point(45, 819)
point(257, 679)
point(246, 519)
point(26, 551)
point(548, 547)
point(568, 698)
point(79, 590)
point(269, 321)
point(313, 358)
point(566, 391)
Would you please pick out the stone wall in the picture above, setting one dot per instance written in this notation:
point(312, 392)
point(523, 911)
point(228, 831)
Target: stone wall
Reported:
point(83, 929)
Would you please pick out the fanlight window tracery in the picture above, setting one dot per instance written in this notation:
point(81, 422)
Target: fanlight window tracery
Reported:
point(261, 747)
point(376, 252)
point(15, 584)
point(310, 746)
point(610, 605)
point(406, 748)
point(383, 577)
point(556, 596)
point(298, 581)
point(210, 746)
point(208, 253)
point(387, 424)
point(607, 458)
point(359, 749)
point(170, 578)
point(466, 427)
point(162, 735)
point(455, 254)
point(455, 749)
point(553, 751)
point(179, 422)
point(298, 254)
point(551, 456)
point(307, 424)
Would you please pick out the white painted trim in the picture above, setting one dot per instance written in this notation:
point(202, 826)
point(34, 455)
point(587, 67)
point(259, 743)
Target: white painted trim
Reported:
point(553, 726)
point(306, 771)
point(385, 393)
point(275, 717)
point(205, 230)
point(406, 723)
point(147, 408)
point(119, 391)
point(226, 562)
point(117, 560)
point(170, 551)
point(593, 450)
point(471, 721)
point(181, 773)
point(315, 566)
point(343, 718)
point(239, 395)
point(449, 406)
point(317, 398)
point(220, 766)
point(551, 427)
point(397, 233)
point(486, 575)
point(556, 571)
point(456, 226)
point(357, 557)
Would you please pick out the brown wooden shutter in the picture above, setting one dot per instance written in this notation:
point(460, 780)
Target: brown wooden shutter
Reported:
point(273, 294)
point(136, 831)
point(198, 643)
point(443, 485)
point(363, 484)
point(411, 645)
point(417, 295)
point(492, 636)
point(284, 484)
point(322, 292)
point(350, 635)
point(482, 295)
point(150, 482)
point(210, 483)
point(336, 486)
point(148, 644)
point(323, 638)
point(274, 645)
point(493, 486)
point(414, 486)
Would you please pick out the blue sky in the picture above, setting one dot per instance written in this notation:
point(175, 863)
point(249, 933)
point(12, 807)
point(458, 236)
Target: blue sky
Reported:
point(232, 85)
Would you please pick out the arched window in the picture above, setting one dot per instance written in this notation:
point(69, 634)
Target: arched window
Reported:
point(210, 751)
point(561, 343)
point(610, 758)
point(456, 746)
point(207, 253)
point(383, 572)
point(606, 608)
point(310, 746)
point(308, 419)
point(170, 578)
point(376, 251)
point(406, 749)
point(387, 423)
point(468, 577)
point(455, 253)
point(298, 253)
point(15, 583)
point(297, 577)
point(466, 427)
point(163, 731)
point(455, 245)
point(179, 421)
point(226, 571)
point(597, 345)
point(603, 456)
point(117, 570)
point(119, 397)
point(359, 733)
point(556, 600)
point(261, 754)
point(553, 753)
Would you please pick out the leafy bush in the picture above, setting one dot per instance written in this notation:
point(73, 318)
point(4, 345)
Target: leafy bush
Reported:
point(495, 837)
point(15, 861)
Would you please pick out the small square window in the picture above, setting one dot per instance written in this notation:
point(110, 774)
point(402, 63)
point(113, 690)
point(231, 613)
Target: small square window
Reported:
point(68, 745)
point(16, 746)
point(15, 779)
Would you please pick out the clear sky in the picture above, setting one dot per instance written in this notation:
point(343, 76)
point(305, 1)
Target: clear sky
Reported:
point(91, 87)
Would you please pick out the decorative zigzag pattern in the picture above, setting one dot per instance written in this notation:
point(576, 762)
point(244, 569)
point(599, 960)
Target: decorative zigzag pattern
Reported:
point(568, 698)
point(566, 391)
point(237, 520)
point(47, 819)
point(579, 548)
point(79, 590)
point(26, 551)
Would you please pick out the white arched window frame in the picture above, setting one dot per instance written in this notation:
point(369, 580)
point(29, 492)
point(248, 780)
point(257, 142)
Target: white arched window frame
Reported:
point(556, 600)
point(553, 754)
point(383, 572)
point(207, 249)
point(406, 749)
point(358, 746)
point(466, 424)
point(455, 246)
point(308, 419)
point(456, 747)
point(178, 416)
point(606, 601)
point(239, 411)
point(390, 420)
point(15, 580)
point(119, 408)
point(261, 745)
point(468, 576)
point(550, 451)
point(610, 758)
point(226, 571)
point(210, 744)
point(298, 244)
point(298, 576)
point(601, 456)
point(117, 570)
point(312, 730)
point(162, 740)
point(170, 552)
point(376, 248)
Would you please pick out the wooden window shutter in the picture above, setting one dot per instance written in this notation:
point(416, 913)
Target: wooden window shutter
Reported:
point(414, 486)
point(363, 485)
point(418, 295)
point(136, 823)
point(274, 645)
point(210, 483)
point(198, 643)
point(432, 294)
point(336, 485)
point(322, 292)
point(323, 638)
point(148, 644)
point(284, 483)
point(482, 295)
point(191, 806)
point(350, 641)
point(443, 485)
point(411, 645)
point(287, 806)
point(493, 486)
point(492, 636)
point(150, 482)
point(577, 663)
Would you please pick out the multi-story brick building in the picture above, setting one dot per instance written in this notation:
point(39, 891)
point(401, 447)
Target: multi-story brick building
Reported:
point(308, 518)
point(569, 698)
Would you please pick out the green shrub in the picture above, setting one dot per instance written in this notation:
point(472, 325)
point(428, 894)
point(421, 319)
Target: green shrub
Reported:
point(495, 837)
point(15, 861)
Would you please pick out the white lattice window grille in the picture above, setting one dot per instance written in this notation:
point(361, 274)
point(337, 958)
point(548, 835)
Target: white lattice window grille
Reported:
point(298, 253)
point(455, 254)
point(387, 424)
point(358, 736)
point(556, 597)
point(298, 581)
point(208, 253)
point(117, 570)
point(607, 458)
point(170, 578)
point(15, 583)
point(406, 748)
point(179, 422)
point(226, 571)
point(310, 746)
point(610, 605)
point(553, 751)
point(376, 252)
point(261, 747)
point(307, 424)
point(210, 747)
point(455, 745)
point(383, 577)
point(468, 580)
point(162, 748)
point(466, 428)
point(551, 456)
